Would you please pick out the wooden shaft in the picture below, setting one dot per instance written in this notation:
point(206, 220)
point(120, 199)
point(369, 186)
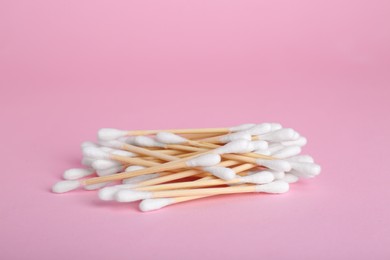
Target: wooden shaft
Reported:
point(132, 160)
point(239, 158)
point(199, 136)
point(243, 167)
point(201, 146)
point(181, 131)
point(170, 152)
point(206, 191)
point(176, 200)
point(183, 148)
point(214, 139)
point(179, 175)
point(178, 164)
point(190, 184)
point(184, 155)
point(140, 150)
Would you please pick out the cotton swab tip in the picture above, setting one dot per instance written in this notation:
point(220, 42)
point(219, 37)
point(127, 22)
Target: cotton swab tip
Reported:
point(276, 187)
point(65, 186)
point(259, 129)
point(287, 152)
point(221, 172)
point(260, 145)
point(301, 158)
point(88, 144)
point(107, 134)
point(237, 146)
point(104, 164)
point(96, 153)
point(154, 204)
point(281, 135)
point(76, 173)
point(290, 178)
point(277, 165)
point(306, 169)
point(145, 141)
point(235, 136)
point(170, 138)
point(108, 193)
point(301, 141)
point(204, 160)
point(258, 178)
point(109, 171)
point(130, 195)
point(242, 127)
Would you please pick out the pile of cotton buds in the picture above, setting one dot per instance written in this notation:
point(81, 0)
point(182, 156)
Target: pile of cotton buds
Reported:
point(165, 167)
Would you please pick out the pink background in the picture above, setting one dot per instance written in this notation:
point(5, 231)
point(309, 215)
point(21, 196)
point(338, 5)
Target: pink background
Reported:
point(68, 68)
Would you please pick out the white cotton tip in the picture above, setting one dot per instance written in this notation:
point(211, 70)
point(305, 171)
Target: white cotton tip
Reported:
point(235, 136)
point(221, 172)
point(106, 149)
point(127, 139)
point(130, 195)
point(290, 178)
point(275, 147)
point(277, 165)
point(259, 129)
point(107, 134)
point(281, 135)
point(96, 153)
point(65, 186)
point(87, 161)
point(260, 145)
point(278, 175)
point(104, 164)
point(275, 126)
point(238, 146)
point(88, 144)
point(296, 136)
point(263, 152)
point(108, 193)
point(306, 169)
point(170, 138)
point(242, 127)
point(123, 153)
point(301, 141)
point(146, 141)
point(109, 171)
point(77, 173)
point(274, 187)
point(112, 144)
point(154, 204)
point(287, 152)
point(204, 160)
point(301, 158)
point(140, 178)
point(95, 186)
point(258, 178)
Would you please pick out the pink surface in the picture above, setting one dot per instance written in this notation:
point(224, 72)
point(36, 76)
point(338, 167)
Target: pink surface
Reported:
point(68, 68)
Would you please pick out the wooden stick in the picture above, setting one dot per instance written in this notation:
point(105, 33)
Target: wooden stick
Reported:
point(173, 165)
point(143, 151)
point(190, 184)
point(189, 173)
point(198, 136)
point(205, 191)
point(181, 131)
